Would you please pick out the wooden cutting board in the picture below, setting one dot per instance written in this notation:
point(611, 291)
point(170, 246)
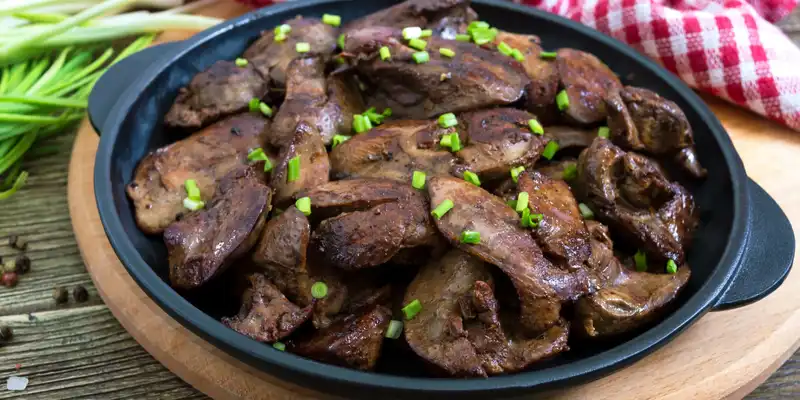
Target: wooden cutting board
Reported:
point(724, 355)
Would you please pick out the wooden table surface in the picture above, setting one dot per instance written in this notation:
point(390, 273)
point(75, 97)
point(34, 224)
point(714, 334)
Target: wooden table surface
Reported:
point(78, 350)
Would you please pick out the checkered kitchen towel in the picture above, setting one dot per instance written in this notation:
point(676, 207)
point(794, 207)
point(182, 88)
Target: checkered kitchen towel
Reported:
point(727, 48)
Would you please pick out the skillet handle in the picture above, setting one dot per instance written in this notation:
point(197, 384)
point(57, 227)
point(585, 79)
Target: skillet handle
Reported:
point(768, 254)
point(119, 77)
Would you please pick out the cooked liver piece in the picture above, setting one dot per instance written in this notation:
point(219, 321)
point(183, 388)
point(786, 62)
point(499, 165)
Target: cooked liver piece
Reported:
point(205, 242)
point(157, 189)
point(541, 286)
point(217, 92)
point(306, 144)
point(474, 78)
point(272, 58)
point(354, 341)
point(266, 314)
point(587, 82)
point(445, 17)
point(324, 102)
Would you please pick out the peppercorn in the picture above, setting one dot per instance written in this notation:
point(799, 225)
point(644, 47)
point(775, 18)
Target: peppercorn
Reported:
point(9, 279)
point(5, 334)
point(80, 294)
point(60, 295)
point(23, 264)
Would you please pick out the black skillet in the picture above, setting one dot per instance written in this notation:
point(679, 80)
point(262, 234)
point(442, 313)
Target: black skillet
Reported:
point(742, 251)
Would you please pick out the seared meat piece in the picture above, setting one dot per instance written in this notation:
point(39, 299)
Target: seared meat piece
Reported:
point(266, 314)
point(282, 254)
point(541, 286)
point(458, 328)
point(353, 341)
point(630, 192)
point(568, 136)
point(641, 120)
point(555, 170)
point(217, 92)
point(157, 189)
point(474, 78)
point(540, 94)
point(305, 145)
point(630, 299)
point(496, 141)
point(272, 58)
point(587, 82)
point(326, 103)
point(393, 150)
point(205, 242)
point(444, 17)
point(336, 197)
point(561, 232)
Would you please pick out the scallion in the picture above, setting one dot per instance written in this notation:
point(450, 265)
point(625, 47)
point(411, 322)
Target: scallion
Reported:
point(293, 169)
point(442, 208)
point(522, 202)
point(548, 55)
point(192, 191)
point(253, 104)
point(302, 47)
point(448, 120)
point(455, 142)
point(640, 259)
point(504, 48)
point(562, 100)
point(672, 268)
point(303, 204)
point(394, 330)
point(385, 53)
point(340, 41)
point(421, 57)
point(265, 109)
point(241, 62)
point(376, 118)
point(418, 180)
point(477, 25)
point(536, 127)
point(585, 211)
point(332, 20)
point(283, 28)
point(319, 290)
point(530, 220)
point(361, 123)
point(446, 141)
point(412, 32)
point(604, 132)
point(412, 309)
point(550, 149)
point(426, 33)
point(193, 205)
point(470, 237)
point(339, 139)
point(417, 44)
point(472, 178)
point(462, 37)
point(449, 53)
point(515, 173)
point(279, 346)
point(570, 172)
point(517, 55)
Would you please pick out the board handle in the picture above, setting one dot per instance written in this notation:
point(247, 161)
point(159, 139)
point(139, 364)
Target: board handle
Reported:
point(108, 89)
point(768, 254)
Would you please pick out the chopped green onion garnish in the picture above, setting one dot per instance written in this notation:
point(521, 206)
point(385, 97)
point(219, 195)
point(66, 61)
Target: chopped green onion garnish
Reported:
point(477, 25)
point(304, 205)
point(562, 100)
point(604, 132)
point(640, 258)
point(412, 32)
point(376, 118)
point(253, 104)
point(418, 44)
point(586, 212)
point(258, 155)
point(192, 204)
point(421, 57)
point(386, 54)
point(448, 120)
point(515, 173)
point(455, 142)
point(529, 220)
point(470, 237)
point(446, 141)
point(302, 47)
point(280, 37)
point(463, 37)
point(522, 202)
point(394, 330)
point(672, 268)
point(548, 55)
point(536, 127)
point(361, 123)
point(517, 55)
point(426, 33)
point(504, 48)
point(412, 309)
point(332, 20)
point(293, 169)
point(279, 346)
point(442, 208)
point(241, 62)
point(482, 36)
point(550, 150)
point(570, 172)
point(191, 189)
point(319, 290)
point(418, 180)
point(447, 52)
point(340, 41)
point(472, 178)
point(265, 109)
point(339, 139)
point(387, 112)
point(284, 28)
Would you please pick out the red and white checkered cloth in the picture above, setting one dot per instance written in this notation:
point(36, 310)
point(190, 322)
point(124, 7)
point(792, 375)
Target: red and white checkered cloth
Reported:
point(727, 48)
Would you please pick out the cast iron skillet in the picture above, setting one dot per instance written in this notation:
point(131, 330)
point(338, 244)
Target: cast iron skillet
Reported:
point(743, 249)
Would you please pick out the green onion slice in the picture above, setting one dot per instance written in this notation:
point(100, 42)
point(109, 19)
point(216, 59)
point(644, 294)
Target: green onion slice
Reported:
point(304, 205)
point(332, 20)
point(361, 123)
point(385, 53)
point(191, 189)
point(418, 44)
point(522, 202)
point(280, 37)
point(446, 141)
point(455, 142)
point(604, 132)
point(241, 62)
point(193, 205)
point(319, 290)
point(504, 48)
point(448, 120)
point(550, 149)
point(530, 220)
point(477, 25)
point(284, 28)
point(293, 169)
point(302, 47)
point(462, 37)
point(394, 330)
point(449, 53)
point(470, 237)
point(265, 109)
point(340, 41)
point(482, 36)
point(525, 218)
point(279, 346)
point(418, 180)
point(412, 309)
point(548, 55)
point(442, 208)
point(536, 127)
point(421, 57)
point(517, 55)
point(472, 178)
point(562, 100)
point(258, 155)
point(339, 139)
point(426, 33)
point(672, 268)
point(570, 172)
point(376, 118)
point(640, 258)
point(253, 104)
point(586, 212)
point(412, 32)
point(515, 173)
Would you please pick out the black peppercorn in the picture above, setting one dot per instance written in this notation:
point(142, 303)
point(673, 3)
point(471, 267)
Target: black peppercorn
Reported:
point(60, 295)
point(80, 294)
point(5, 334)
point(23, 264)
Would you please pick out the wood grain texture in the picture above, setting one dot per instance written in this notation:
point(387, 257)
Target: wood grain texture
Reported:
point(80, 351)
